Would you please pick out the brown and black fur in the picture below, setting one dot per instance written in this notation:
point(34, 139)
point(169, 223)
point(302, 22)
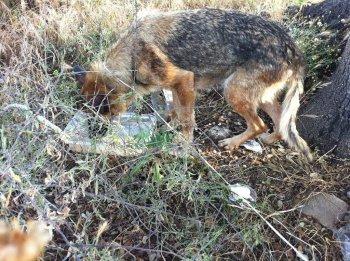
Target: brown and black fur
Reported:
point(252, 58)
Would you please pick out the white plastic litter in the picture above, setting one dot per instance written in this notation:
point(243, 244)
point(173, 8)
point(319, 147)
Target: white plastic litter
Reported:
point(343, 236)
point(253, 145)
point(240, 191)
point(126, 135)
point(247, 195)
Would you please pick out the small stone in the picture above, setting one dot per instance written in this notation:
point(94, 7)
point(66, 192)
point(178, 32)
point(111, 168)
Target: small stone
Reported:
point(314, 175)
point(222, 119)
point(279, 204)
point(269, 156)
point(219, 133)
point(281, 196)
point(348, 194)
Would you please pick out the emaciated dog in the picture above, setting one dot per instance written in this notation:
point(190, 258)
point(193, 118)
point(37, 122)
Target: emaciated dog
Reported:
point(253, 59)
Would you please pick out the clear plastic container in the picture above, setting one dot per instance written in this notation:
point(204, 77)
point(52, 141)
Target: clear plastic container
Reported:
point(125, 135)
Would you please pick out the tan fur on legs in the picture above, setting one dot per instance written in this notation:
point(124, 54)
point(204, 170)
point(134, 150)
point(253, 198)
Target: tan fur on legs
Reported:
point(174, 119)
point(185, 101)
point(243, 103)
point(255, 126)
point(273, 109)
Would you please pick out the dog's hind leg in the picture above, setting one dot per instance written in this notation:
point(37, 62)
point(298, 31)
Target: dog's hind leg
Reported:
point(241, 95)
point(269, 101)
point(273, 109)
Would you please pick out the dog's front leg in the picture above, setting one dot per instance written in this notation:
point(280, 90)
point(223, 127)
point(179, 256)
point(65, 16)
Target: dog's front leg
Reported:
point(174, 119)
point(120, 103)
point(185, 96)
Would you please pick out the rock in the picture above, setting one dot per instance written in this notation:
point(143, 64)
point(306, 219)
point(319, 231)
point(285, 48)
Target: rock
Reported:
point(217, 133)
point(326, 208)
point(280, 204)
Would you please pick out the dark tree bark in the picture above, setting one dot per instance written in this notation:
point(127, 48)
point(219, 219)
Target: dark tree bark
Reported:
point(335, 15)
point(331, 12)
point(325, 119)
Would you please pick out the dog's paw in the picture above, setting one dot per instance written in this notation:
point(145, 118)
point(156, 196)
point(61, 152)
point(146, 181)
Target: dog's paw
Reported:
point(268, 138)
point(229, 144)
point(174, 124)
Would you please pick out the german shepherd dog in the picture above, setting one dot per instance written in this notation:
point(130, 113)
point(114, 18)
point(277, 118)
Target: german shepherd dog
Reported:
point(253, 59)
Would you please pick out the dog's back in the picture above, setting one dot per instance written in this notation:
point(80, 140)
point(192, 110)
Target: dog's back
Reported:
point(213, 41)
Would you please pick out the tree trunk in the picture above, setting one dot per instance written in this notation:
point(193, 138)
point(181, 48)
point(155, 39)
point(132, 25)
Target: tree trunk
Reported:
point(325, 119)
point(334, 14)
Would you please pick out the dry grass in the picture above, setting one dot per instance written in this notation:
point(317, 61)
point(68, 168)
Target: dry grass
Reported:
point(152, 206)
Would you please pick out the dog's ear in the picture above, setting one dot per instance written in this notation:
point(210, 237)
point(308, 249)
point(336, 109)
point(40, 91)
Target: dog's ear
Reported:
point(79, 74)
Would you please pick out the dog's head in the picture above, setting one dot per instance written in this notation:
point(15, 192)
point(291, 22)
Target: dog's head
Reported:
point(93, 89)
point(105, 94)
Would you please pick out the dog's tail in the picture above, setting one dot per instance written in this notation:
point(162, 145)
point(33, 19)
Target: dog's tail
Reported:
point(290, 107)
